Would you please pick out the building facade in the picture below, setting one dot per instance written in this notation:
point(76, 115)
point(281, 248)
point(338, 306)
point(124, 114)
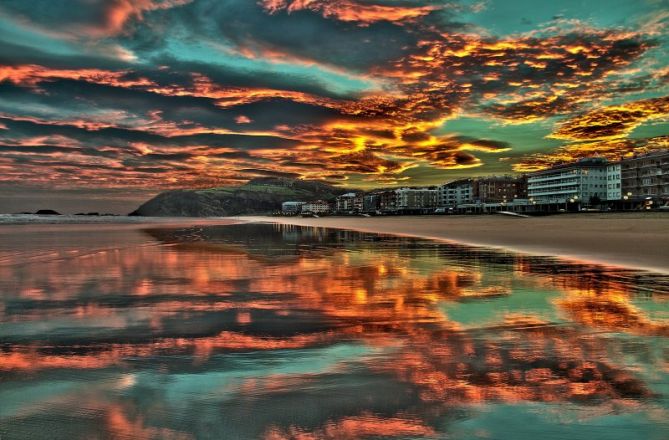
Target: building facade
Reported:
point(416, 198)
point(582, 182)
point(316, 207)
point(456, 193)
point(646, 175)
point(371, 202)
point(291, 208)
point(349, 202)
point(496, 189)
point(613, 181)
point(388, 200)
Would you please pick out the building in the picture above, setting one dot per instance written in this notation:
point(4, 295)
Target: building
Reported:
point(645, 175)
point(349, 202)
point(497, 189)
point(316, 207)
point(456, 193)
point(613, 181)
point(416, 198)
point(291, 208)
point(388, 200)
point(581, 182)
point(371, 202)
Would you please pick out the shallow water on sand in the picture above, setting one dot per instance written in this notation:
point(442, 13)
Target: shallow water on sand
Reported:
point(267, 331)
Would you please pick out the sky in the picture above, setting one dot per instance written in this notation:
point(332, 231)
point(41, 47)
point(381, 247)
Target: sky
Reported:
point(106, 103)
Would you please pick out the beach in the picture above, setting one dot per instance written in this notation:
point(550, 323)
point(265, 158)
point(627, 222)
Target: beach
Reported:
point(630, 240)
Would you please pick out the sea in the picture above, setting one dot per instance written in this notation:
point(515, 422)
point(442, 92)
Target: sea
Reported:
point(118, 328)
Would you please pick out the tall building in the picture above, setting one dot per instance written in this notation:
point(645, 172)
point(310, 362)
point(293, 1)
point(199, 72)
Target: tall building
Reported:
point(456, 193)
point(646, 175)
point(580, 182)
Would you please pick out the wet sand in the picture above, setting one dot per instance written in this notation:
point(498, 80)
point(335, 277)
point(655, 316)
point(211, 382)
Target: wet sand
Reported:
point(631, 240)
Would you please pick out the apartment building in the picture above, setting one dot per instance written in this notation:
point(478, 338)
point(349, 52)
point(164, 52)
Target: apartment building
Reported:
point(496, 189)
point(388, 200)
point(456, 193)
point(646, 175)
point(580, 182)
point(416, 198)
point(349, 202)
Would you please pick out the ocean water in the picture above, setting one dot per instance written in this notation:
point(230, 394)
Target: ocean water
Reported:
point(259, 331)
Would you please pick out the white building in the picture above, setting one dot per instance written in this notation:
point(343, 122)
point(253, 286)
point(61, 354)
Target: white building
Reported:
point(613, 181)
point(416, 198)
point(291, 208)
point(316, 207)
point(578, 182)
point(456, 193)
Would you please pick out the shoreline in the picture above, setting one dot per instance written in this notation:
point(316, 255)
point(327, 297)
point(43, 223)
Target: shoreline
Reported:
point(630, 241)
point(636, 241)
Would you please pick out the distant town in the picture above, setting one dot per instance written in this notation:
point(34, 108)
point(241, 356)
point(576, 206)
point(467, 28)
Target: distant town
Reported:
point(640, 182)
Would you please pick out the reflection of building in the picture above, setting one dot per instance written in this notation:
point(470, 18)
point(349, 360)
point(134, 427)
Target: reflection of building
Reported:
point(495, 189)
point(456, 193)
point(316, 207)
point(416, 198)
point(646, 175)
point(349, 202)
point(578, 182)
point(291, 208)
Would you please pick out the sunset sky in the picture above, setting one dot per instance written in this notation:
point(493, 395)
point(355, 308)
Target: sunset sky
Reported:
point(105, 103)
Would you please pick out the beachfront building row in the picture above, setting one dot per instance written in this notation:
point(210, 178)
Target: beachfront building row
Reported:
point(591, 181)
point(491, 189)
point(585, 181)
point(634, 182)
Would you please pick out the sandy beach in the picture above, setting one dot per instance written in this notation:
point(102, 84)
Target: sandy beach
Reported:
point(631, 240)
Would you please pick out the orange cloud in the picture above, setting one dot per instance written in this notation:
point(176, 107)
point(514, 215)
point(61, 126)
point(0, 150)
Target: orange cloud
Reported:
point(32, 74)
point(612, 149)
point(119, 12)
point(349, 10)
point(612, 122)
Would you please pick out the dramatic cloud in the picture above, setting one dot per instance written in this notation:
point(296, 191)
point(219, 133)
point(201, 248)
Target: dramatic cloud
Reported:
point(613, 121)
point(347, 10)
point(158, 94)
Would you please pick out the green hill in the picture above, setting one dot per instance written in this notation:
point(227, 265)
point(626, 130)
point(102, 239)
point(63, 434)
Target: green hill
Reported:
point(258, 196)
